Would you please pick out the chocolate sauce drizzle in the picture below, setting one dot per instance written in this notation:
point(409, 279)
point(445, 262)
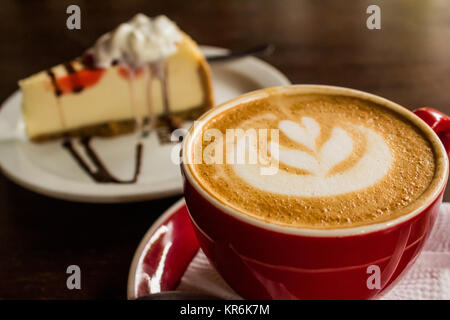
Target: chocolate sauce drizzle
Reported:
point(101, 173)
point(76, 83)
point(88, 61)
point(56, 87)
point(170, 123)
point(159, 69)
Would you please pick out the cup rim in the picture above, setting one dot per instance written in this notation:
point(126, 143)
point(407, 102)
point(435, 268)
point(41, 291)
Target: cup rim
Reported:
point(318, 89)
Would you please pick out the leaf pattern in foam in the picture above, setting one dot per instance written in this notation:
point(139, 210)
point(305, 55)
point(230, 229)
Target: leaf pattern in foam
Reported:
point(296, 158)
point(335, 150)
point(305, 135)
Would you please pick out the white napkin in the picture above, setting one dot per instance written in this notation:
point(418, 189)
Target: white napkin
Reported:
point(428, 278)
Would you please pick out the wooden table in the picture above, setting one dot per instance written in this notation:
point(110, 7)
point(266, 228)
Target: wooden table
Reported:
point(323, 42)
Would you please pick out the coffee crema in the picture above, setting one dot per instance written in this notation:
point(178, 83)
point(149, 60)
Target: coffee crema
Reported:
point(342, 162)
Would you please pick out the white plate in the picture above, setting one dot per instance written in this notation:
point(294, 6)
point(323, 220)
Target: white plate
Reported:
point(48, 169)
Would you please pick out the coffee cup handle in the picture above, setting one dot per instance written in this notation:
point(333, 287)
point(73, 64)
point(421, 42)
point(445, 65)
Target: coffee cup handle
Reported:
point(439, 122)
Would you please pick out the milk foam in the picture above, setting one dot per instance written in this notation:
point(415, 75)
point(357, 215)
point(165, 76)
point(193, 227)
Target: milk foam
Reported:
point(342, 162)
point(335, 150)
point(370, 168)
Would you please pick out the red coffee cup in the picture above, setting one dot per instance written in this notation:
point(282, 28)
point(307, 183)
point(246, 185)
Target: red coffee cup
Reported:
point(260, 260)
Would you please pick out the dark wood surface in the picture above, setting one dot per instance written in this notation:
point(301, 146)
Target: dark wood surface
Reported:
point(324, 42)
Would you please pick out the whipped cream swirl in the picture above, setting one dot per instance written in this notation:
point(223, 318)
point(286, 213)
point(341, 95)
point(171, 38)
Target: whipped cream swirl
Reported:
point(140, 41)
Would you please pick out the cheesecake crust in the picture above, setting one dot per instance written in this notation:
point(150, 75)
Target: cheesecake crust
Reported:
point(115, 128)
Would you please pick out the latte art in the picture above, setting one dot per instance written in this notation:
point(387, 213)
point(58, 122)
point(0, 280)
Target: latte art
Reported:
point(370, 168)
point(335, 150)
point(341, 162)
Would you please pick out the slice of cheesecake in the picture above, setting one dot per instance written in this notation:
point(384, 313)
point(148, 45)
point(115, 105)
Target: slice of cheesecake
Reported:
point(81, 98)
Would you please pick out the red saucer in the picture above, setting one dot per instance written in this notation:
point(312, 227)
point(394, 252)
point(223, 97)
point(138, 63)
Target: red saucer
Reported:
point(164, 253)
